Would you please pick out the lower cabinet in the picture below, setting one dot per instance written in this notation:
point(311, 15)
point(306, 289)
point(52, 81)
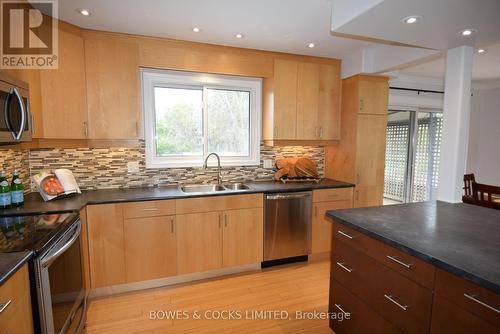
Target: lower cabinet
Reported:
point(242, 237)
point(15, 300)
point(141, 241)
point(150, 248)
point(106, 245)
point(199, 242)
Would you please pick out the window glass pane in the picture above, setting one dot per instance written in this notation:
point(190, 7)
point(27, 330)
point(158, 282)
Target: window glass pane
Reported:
point(228, 122)
point(179, 121)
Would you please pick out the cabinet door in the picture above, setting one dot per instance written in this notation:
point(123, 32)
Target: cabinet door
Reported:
point(285, 99)
point(106, 245)
point(329, 102)
point(64, 98)
point(112, 68)
point(322, 226)
point(373, 96)
point(370, 159)
point(307, 101)
point(449, 318)
point(150, 248)
point(242, 237)
point(199, 242)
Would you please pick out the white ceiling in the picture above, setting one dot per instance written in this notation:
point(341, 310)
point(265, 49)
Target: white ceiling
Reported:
point(486, 66)
point(439, 28)
point(275, 25)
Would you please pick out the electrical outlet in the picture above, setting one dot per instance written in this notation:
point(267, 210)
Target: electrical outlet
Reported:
point(133, 166)
point(268, 164)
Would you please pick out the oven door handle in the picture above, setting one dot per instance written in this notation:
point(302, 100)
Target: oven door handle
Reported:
point(46, 262)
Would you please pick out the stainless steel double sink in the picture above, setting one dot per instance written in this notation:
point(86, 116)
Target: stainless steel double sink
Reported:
point(212, 188)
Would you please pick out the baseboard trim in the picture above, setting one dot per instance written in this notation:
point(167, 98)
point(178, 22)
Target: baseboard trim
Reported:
point(170, 281)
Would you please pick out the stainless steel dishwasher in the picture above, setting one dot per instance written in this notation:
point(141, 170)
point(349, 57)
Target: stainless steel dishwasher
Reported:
point(287, 231)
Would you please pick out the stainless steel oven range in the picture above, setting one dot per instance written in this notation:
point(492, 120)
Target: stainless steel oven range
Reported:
point(56, 270)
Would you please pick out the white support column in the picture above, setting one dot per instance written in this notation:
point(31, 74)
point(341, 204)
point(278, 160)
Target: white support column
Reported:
point(456, 117)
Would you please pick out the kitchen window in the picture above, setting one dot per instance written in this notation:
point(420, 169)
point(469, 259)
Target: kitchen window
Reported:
point(188, 115)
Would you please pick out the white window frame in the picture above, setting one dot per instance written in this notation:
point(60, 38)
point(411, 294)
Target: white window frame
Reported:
point(151, 78)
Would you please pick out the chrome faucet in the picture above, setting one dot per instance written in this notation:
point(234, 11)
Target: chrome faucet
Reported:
point(219, 175)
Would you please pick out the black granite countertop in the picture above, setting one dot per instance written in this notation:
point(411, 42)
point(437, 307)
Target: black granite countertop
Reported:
point(460, 238)
point(11, 262)
point(33, 203)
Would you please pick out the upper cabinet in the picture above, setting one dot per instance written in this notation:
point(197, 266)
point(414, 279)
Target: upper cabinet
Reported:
point(113, 89)
point(301, 101)
point(64, 102)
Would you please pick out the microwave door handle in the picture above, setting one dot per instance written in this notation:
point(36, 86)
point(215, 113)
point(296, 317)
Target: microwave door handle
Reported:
point(46, 262)
point(23, 114)
point(6, 110)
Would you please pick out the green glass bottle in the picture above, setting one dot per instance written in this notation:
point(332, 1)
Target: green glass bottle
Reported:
point(17, 190)
point(5, 199)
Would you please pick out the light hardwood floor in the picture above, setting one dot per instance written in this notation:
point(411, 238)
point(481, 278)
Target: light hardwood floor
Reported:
point(296, 287)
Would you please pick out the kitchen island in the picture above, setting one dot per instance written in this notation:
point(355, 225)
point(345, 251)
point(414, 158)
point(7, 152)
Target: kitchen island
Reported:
point(416, 268)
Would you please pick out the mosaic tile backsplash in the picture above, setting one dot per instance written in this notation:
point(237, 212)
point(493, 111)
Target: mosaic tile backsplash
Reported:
point(99, 168)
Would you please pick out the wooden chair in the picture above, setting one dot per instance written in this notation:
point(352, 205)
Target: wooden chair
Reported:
point(468, 197)
point(486, 195)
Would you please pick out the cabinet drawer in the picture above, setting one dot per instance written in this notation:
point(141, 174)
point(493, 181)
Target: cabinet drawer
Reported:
point(477, 300)
point(449, 318)
point(218, 203)
point(362, 319)
point(399, 300)
point(15, 292)
point(328, 195)
point(405, 264)
point(148, 209)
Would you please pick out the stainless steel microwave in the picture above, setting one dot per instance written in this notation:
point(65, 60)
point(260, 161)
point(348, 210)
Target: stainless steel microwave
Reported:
point(15, 118)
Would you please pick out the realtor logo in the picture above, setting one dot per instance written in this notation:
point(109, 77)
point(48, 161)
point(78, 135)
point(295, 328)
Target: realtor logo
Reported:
point(28, 34)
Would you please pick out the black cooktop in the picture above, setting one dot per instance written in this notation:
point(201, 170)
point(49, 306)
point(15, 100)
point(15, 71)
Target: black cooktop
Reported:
point(34, 233)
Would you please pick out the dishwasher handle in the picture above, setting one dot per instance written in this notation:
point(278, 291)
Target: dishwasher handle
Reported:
point(288, 196)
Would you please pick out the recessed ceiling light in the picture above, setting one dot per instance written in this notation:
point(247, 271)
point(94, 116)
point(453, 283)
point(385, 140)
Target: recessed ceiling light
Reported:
point(238, 35)
point(468, 32)
point(481, 50)
point(411, 19)
point(84, 12)
point(196, 29)
point(311, 45)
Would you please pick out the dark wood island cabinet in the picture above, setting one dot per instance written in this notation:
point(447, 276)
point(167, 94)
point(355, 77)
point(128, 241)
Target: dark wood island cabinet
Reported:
point(419, 279)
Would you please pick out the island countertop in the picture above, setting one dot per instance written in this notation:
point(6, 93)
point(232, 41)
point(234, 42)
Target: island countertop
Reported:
point(460, 238)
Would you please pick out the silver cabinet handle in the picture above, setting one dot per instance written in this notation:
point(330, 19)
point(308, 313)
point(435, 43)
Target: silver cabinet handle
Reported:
point(339, 307)
point(85, 129)
point(220, 220)
point(395, 302)
point(345, 234)
point(172, 225)
point(3, 306)
point(341, 265)
point(150, 209)
point(395, 259)
point(474, 299)
point(321, 132)
point(225, 219)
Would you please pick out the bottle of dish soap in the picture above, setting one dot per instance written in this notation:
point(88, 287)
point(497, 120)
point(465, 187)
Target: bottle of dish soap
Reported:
point(5, 199)
point(17, 190)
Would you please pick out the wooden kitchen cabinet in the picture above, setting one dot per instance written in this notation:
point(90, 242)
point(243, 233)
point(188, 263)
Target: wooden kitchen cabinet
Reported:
point(360, 157)
point(113, 89)
point(322, 226)
point(242, 237)
point(64, 97)
point(199, 242)
point(106, 245)
point(307, 101)
point(302, 103)
point(285, 99)
point(16, 318)
point(150, 248)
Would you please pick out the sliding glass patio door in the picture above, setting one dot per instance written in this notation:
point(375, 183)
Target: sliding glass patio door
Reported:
point(412, 155)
